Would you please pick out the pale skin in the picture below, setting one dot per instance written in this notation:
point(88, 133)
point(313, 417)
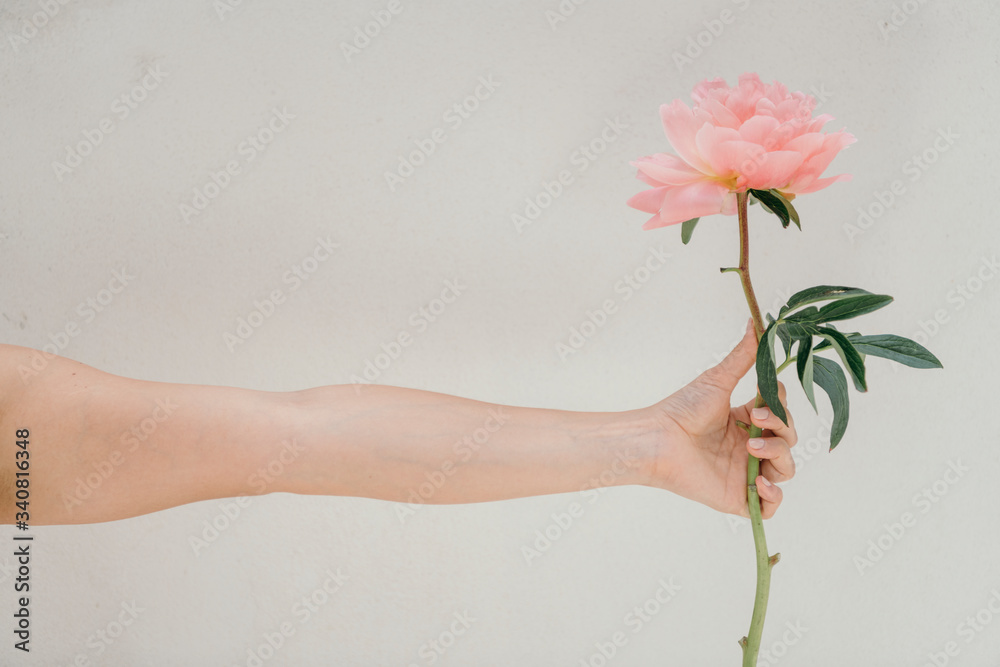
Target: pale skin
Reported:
point(103, 447)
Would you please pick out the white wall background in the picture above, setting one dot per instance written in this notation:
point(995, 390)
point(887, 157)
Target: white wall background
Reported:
point(894, 74)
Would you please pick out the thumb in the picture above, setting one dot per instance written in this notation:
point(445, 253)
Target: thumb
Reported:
point(727, 374)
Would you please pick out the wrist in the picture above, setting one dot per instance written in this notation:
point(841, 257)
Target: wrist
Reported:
point(634, 442)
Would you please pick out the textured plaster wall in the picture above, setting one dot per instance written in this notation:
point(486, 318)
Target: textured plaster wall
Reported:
point(200, 78)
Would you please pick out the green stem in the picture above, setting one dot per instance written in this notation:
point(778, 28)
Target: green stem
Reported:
point(751, 643)
point(785, 364)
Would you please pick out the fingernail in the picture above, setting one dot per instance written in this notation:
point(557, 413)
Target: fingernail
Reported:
point(760, 413)
point(756, 443)
point(766, 481)
point(749, 325)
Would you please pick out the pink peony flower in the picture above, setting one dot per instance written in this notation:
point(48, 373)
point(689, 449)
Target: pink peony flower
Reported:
point(753, 136)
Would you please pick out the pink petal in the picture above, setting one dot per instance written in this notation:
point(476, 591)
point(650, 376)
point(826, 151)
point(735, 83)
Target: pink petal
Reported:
point(764, 107)
point(820, 183)
point(787, 109)
point(667, 169)
point(680, 125)
point(649, 201)
point(773, 170)
point(758, 128)
point(653, 222)
point(722, 148)
point(646, 178)
point(706, 88)
point(807, 144)
point(832, 145)
point(817, 123)
point(729, 204)
point(722, 116)
point(691, 201)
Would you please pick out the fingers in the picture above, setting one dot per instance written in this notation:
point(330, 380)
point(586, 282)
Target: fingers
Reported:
point(764, 418)
point(777, 463)
point(770, 497)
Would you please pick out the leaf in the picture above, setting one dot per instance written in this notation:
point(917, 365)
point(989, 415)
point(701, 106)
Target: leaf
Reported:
point(805, 315)
point(687, 228)
point(800, 329)
point(830, 378)
point(848, 354)
point(804, 365)
point(767, 375)
point(786, 339)
point(792, 213)
point(773, 204)
point(819, 293)
point(845, 309)
point(824, 344)
point(898, 349)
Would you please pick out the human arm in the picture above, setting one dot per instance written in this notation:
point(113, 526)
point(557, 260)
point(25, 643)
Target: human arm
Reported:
point(105, 447)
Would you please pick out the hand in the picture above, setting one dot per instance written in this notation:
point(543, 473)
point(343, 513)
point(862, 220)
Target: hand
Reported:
point(704, 453)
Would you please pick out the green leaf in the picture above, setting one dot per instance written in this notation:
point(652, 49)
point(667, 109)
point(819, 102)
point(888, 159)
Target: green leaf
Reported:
point(804, 365)
point(819, 293)
point(807, 314)
point(773, 204)
point(852, 359)
point(687, 228)
point(792, 213)
point(800, 329)
point(830, 378)
point(897, 348)
point(845, 309)
point(824, 344)
point(786, 339)
point(767, 375)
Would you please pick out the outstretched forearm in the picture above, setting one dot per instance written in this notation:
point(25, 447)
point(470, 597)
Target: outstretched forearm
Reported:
point(105, 447)
point(412, 446)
